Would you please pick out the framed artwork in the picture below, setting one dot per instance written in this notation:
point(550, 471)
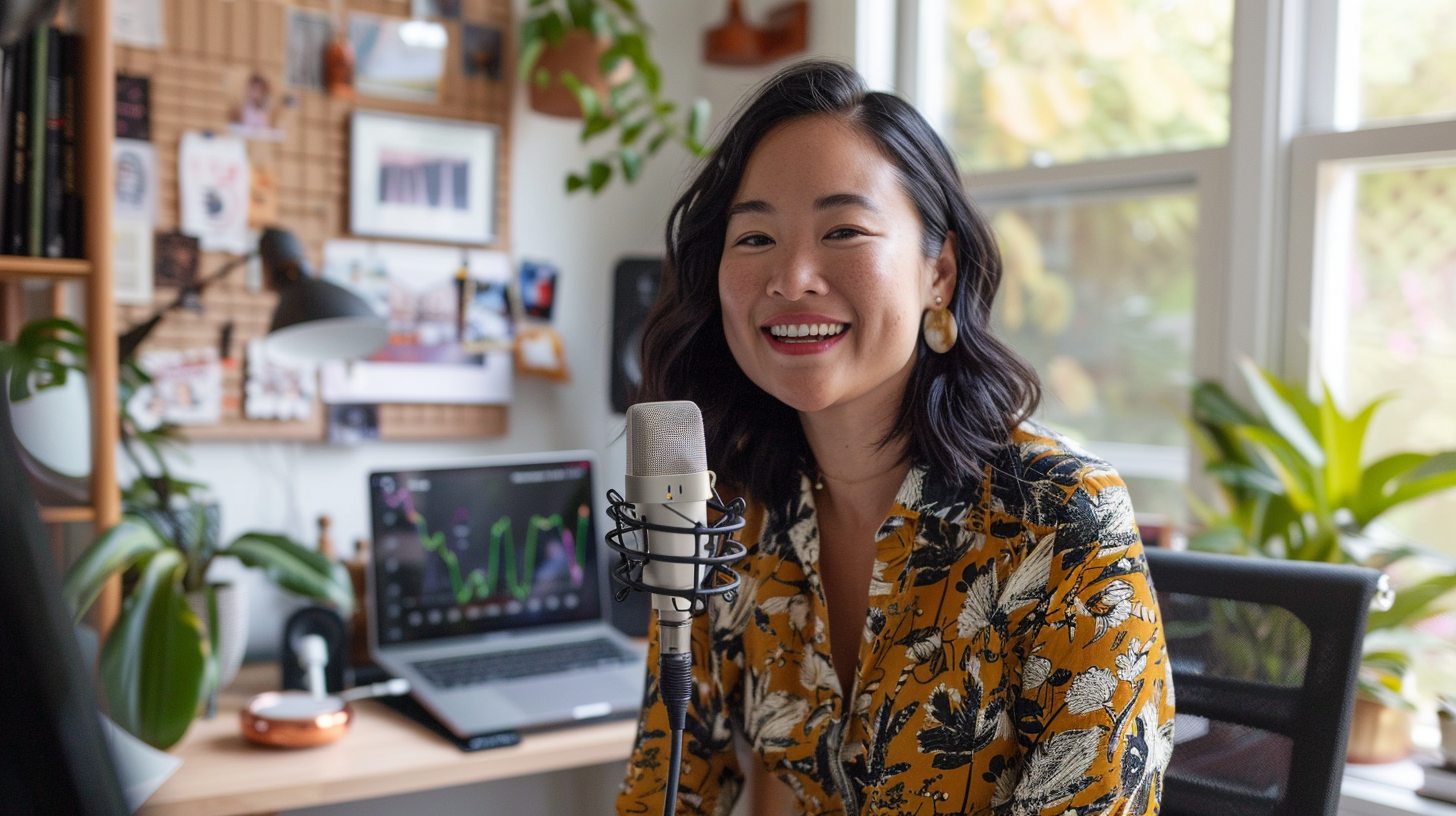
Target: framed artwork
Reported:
point(421, 178)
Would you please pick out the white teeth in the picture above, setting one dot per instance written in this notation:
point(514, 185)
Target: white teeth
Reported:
point(810, 330)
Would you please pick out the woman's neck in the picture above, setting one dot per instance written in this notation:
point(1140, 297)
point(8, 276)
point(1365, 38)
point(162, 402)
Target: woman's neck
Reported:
point(857, 476)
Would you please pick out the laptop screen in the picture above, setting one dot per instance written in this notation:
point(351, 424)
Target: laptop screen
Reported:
point(480, 549)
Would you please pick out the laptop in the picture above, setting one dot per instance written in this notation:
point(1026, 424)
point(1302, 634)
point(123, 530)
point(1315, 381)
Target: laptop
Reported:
point(487, 591)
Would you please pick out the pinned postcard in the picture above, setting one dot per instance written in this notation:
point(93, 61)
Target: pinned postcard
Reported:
point(186, 388)
point(131, 262)
point(214, 182)
point(275, 388)
point(418, 289)
point(134, 164)
point(137, 22)
point(404, 59)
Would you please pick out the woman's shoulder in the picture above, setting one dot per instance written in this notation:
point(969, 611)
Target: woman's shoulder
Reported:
point(1049, 480)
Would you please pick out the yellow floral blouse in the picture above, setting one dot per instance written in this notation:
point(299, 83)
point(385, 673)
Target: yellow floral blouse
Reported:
point(1012, 663)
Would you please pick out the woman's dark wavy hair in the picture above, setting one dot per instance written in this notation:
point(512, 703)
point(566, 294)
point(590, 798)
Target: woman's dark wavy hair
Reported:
point(959, 406)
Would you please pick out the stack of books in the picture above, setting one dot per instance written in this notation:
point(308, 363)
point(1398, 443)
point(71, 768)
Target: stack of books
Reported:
point(40, 206)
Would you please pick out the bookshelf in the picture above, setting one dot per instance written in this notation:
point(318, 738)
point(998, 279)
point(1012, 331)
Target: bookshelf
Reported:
point(92, 273)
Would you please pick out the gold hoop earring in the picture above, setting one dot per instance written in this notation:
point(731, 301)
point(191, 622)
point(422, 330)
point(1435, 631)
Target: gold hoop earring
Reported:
point(940, 329)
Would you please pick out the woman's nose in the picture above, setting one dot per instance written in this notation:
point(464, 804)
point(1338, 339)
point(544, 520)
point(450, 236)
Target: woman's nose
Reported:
point(796, 275)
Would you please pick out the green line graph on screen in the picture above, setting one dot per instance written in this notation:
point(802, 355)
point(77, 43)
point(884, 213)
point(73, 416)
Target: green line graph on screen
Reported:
point(478, 583)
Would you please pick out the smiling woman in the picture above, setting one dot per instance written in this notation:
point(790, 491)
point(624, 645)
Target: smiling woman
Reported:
point(942, 604)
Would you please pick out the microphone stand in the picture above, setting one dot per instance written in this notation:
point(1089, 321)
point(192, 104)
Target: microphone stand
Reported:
point(675, 654)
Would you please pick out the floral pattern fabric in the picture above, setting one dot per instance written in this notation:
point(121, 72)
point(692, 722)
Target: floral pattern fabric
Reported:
point(1012, 662)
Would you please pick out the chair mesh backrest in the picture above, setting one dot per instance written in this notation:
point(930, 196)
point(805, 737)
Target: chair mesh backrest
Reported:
point(1264, 659)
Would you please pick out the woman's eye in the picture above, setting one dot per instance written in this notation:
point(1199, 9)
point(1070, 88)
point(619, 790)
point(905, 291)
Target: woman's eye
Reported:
point(755, 240)
point(844, 232)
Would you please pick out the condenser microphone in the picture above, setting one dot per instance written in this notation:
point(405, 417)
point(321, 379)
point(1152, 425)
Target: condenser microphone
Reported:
point(669, 491)
point(669, 484)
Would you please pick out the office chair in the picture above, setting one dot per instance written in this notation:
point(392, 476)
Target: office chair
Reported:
point(1264, 655)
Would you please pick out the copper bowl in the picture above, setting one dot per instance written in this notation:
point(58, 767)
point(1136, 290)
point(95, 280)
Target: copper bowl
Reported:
point(295, 719)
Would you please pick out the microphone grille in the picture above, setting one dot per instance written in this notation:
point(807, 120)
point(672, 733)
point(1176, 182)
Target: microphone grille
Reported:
point(665, 438)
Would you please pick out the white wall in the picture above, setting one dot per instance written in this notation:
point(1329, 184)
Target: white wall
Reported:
point(286, 486)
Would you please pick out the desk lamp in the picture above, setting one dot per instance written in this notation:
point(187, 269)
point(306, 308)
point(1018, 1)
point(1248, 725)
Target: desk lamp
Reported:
point(314, 320)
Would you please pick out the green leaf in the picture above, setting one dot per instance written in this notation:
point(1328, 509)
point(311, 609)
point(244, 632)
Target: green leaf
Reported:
point(295, 568)
point(1233, 474)
point(1284, 412)
point(1413, 603)
point(1400, 478)
point(116, 550)
point(635, 47)
point(153, 662)
point(698, 116)
point(542, 78)
point(1435, 474)
point(631, 163)
point(630, 132)
point(596, 125)
point(530, 52)
point(586, 96)
point(581, 12)
point(598, 174)
point(1342, 440)
point(553, 28)
point(658, 141)
point(574, 182)
point(1294, 470)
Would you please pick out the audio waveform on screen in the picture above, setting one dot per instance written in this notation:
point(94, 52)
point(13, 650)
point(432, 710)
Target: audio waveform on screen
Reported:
point(478, 583)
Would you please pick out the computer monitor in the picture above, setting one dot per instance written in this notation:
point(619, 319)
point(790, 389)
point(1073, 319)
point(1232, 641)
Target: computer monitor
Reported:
point(53, 758)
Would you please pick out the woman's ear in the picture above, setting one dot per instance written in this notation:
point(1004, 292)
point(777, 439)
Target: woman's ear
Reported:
point(944, 274)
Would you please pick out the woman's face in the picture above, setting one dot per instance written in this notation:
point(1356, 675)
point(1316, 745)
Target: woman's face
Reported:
point(822, 280)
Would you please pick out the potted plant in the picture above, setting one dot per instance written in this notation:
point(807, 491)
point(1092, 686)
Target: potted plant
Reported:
point(161, 659)
point(590, 58)
point(1295, 485)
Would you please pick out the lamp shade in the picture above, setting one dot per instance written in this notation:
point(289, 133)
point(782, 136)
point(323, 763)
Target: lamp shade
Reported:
point(314, 320)
point(317, 320)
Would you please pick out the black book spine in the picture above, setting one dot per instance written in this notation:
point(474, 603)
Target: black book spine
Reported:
point(52, 243)
point(71, 209)
point(17, 176)
point(7, 111)
point(39, 96)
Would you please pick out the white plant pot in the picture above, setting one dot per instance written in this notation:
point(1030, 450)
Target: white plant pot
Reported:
point(54, 426)
point(232, 615)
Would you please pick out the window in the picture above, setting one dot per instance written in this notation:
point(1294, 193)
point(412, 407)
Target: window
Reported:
point(1037, 82)
point(1174, 192)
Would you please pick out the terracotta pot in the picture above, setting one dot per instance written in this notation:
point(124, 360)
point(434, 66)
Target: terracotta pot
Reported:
point(580, 53)
point(1378, 733)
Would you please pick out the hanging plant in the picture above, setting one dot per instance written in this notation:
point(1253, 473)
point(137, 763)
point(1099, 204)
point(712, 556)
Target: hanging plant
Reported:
point(594, 55)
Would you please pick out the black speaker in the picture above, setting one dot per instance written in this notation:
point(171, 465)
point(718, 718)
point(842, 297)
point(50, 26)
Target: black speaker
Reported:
point(328, 624)
point(634, 290)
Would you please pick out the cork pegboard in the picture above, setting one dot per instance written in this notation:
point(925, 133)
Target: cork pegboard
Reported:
point(195, 82)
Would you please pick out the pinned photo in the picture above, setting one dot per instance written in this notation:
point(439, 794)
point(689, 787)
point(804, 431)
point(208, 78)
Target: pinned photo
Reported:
point(538, 289)
point(480, 51)
point(176, 258)
point(352, 423)
point(259, 110)
point(277, 389)
point(485, 316)
point(404, 59)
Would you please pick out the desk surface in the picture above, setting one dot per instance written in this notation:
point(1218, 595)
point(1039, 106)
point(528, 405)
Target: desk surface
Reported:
point(383, 754)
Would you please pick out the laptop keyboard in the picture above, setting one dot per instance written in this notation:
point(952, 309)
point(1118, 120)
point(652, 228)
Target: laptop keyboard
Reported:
point(450, 672)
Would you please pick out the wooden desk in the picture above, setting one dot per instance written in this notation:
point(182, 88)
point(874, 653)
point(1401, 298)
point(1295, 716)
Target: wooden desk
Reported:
point(384, 753)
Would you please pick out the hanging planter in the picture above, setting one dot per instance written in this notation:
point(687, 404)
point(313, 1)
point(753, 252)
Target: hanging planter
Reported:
point(579, 55)
point(590, 59)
